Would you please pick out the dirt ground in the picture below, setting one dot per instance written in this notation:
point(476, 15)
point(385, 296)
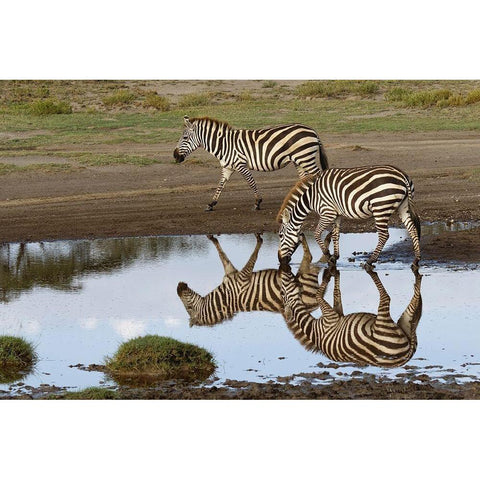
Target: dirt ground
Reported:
point(169, 198)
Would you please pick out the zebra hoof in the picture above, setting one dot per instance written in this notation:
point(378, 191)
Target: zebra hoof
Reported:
point(257, 204)
point(209, 208)
point(415, 266)
point(368, 267)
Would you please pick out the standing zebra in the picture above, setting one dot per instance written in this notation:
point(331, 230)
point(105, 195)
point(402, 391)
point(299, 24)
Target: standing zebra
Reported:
point(361, 337)
point(246, 290)
point(262, 150)
point(355, 193)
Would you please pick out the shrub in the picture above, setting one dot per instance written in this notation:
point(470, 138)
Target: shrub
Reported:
point(473, 96)
point(194, 100)
point(122, 97)
point(244, 96)
point(49, 107)
point(269, 84)
point(152, 358)
point(337, 88)
point(152, 99)
point(427, 98)
point(397, 94)
point(17, 357)
point(368, 87)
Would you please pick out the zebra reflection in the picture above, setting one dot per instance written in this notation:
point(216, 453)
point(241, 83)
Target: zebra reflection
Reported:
point(245, 290)
point(362, 338)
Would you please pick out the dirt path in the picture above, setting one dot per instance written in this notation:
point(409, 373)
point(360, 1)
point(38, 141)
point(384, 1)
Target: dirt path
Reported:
point(167, 198)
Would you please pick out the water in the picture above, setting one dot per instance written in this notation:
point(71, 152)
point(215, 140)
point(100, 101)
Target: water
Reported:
point(77, 301)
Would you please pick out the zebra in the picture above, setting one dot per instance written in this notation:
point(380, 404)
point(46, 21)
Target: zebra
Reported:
point(246, 290)
point(361, 337)
point(263, 150)
point(355, 193)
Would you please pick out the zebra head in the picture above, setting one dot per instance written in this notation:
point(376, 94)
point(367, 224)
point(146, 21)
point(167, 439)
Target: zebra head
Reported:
point(189, 141)
point(289, 234)
point(191, 300)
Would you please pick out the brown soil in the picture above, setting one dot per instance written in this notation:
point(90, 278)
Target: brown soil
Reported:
point(168, 198)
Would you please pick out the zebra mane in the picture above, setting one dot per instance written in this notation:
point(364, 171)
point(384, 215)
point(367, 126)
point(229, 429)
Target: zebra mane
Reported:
point(212, 120)
point(299, 188)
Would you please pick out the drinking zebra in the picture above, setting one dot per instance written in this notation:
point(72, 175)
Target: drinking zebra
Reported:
point(245, 290)
point(355, 193)
point(361, 337)
point(263, 150)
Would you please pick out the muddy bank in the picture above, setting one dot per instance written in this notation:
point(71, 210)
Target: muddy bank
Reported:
point(368, 387)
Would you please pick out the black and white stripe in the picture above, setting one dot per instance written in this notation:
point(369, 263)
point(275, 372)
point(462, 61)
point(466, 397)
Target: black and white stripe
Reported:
point(262, 150)
point(246, 290)
point(354, 193)
point(361, 337)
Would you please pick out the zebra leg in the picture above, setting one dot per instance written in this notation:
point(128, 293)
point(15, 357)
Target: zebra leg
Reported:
point(307, 256)
point(227, 264)
point(410, 318)
point(323, 224)
point(247, 270)
point(247, 175)
point(407, 220)
point(382, 230)
point(226, 174)
point(384, 304)
point(337, 294)
point(336, 238)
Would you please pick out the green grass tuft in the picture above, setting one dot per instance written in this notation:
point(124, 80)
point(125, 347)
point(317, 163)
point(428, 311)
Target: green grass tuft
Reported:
point(49, 107)
point(90, 393)
point(156, 357)
point(473, 96)
point(269, 84)
point(152, 99)
point(195, 100)
point(337, 88)
point(17, 358)
point(122, 97)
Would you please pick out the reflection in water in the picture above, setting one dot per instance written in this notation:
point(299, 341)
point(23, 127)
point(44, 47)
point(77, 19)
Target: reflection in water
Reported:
point(58, 264)
point(362, 338)
point(246, 290)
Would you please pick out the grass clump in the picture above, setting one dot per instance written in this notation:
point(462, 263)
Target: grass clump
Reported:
point(90, 393)
point(49, 107)
point(151, 358)
point(336, 88)
point(473, 96)
point(397, 94)
point(427, 98)
point(122, 97)
point(152, 99)
point(17, 358)
point(269, 84)
point(194, 100)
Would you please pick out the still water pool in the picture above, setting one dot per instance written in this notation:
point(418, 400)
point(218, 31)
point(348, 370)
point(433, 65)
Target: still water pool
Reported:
point(77, 301)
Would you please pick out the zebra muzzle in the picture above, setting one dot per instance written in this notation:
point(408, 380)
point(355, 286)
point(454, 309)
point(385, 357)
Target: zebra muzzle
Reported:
point(178, 157)
point(284, 260)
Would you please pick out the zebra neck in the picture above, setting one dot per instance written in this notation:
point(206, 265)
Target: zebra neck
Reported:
point(215, 140)
point(305, 327)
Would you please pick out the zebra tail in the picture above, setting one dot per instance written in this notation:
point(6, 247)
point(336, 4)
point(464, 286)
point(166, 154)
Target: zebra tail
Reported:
point(411, 208)
point(323, 156)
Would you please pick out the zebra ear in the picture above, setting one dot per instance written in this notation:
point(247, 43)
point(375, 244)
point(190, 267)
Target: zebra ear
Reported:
point(286, 216)
point(187, 122)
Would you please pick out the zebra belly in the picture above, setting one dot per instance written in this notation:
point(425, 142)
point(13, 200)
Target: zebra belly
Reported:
point(260, 166)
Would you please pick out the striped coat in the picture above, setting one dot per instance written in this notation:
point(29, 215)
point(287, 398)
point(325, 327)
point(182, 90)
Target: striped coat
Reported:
point(361, 337)
point(355, 193)
point(243, 151)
